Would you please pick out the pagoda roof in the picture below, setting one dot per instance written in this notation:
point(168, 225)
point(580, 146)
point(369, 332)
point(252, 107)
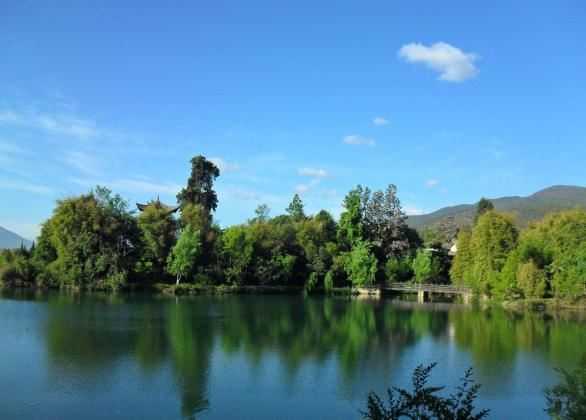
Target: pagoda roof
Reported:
point(157, 203)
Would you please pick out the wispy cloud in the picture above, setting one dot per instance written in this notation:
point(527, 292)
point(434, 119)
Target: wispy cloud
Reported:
point(132, 185)
point(453, 64)
point(225, 166)
point(59, 124)
point(432, 183)
point(356, 139)
point(313, 172)
point(25, 186)
point(83, 162)
point(306, 187)
point(380, 121)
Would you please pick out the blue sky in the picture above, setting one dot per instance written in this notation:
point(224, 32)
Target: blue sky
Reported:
point(448, 100)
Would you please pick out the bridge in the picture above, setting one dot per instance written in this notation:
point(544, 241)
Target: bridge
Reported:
point(423, 290)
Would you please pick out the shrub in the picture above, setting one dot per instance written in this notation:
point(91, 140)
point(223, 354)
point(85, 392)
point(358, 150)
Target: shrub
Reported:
point(424, 403)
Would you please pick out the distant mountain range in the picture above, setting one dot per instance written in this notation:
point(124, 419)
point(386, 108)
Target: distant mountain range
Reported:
point(524, 209)
point(10, 239)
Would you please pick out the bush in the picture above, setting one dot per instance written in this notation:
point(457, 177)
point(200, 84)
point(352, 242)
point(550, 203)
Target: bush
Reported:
point(567, 400)
point(329, 281)
point(425, 266)
point(311, 284)
point(398, 269)
point(531, 280)
point(424, 403)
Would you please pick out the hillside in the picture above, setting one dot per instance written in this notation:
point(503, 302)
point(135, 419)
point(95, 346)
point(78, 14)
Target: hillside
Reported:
point(10, 239)
point(525, 209)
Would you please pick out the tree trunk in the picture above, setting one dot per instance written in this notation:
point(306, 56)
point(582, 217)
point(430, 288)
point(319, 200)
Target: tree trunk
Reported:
point(178, 279)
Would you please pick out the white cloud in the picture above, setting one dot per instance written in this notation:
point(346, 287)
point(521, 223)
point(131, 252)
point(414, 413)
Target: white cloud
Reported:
point(303, 188)
point(356, 139)
point(83, 162)
point(53, 124)
point(25, 186)
point(453, 64)
point(224, 166)
point(380, 121)
point(313, 172)
point(431, 183)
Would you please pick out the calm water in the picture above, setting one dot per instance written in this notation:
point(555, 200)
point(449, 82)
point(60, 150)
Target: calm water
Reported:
point(262, 357)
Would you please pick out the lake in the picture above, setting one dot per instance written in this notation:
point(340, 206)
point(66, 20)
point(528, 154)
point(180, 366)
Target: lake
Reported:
point(263, 357)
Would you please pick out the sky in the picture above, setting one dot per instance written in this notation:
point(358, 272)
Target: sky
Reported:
point(450, 101)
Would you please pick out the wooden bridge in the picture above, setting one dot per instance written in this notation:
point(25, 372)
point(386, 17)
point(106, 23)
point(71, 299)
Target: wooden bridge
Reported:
point(423, 290)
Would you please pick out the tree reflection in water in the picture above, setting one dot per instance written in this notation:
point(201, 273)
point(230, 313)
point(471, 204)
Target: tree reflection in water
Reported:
point(87, 336)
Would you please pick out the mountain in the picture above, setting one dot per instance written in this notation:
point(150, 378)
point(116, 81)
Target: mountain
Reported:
point(10, 239)
point(524, 209)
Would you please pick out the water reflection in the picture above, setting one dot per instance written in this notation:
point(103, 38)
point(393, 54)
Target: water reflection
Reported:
point(87, 338)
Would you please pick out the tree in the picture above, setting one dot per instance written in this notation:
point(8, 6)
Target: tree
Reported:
point(424, 403)
point(295, 208)
point(89, 241)
point(483, 206)
point(350, 229)
point(183, 257)
point(493, 238)
point(399, 269)
point(567, 400)
point(200, 185)
point(531, 280)
point(159, 234)
point(464, 260)
point(556, 248)
point(262, 213)
point(361, 264)
point(384, 221)
point(238, 252)
point(425, 266)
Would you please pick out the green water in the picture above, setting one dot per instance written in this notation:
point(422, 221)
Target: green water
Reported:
point(262, 357)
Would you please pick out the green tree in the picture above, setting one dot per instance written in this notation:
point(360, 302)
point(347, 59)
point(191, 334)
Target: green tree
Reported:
point(182, 259)
point(483, 206)
point(89, 241)
point(531, 280)
point(556, 246)
point(296, 208)
point(361, 264)
point(399, 269)
point(463, 262)
point(350, 229)
point(493, 238)
point(200, 185)
point(425, 267)
point(238, 252)
point(159, 233)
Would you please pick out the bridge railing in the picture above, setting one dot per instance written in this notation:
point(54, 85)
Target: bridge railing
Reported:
point(433, 288)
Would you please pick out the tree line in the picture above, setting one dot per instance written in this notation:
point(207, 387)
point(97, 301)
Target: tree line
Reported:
point(95, 241)
point(548, 259)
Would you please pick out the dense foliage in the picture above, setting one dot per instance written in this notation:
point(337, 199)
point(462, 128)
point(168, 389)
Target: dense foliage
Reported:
point(95, 241)
point(567, 400)
point(424, 403)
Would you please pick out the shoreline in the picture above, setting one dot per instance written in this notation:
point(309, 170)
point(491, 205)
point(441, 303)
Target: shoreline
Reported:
point(188, 289)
